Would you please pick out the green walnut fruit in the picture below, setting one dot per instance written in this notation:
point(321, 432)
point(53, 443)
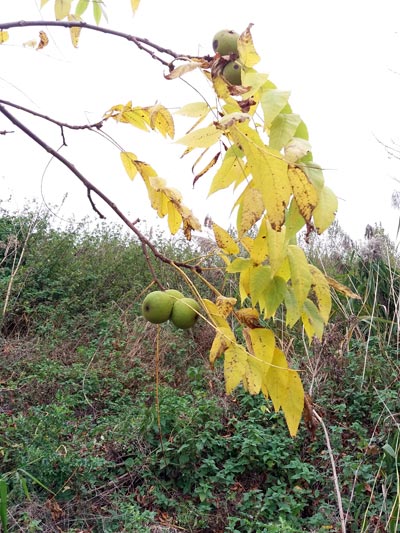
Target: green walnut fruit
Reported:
point(174, 293)
point(233, 73)
point(157, 307)
point(225, 42)
point(184, 313)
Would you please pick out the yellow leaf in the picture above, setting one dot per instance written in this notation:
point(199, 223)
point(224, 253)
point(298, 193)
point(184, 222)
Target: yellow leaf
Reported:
point(225, 305)
point(74, 32)
point(294, 221)
point(322, 292)
point(263, 347)
point(249, 317)
point(247, 243)
point(215, 316)
point(4, 36)
point(339, 287)
point(174, 218)
point(195, 110)
point(43, 3)
point(224, 241)
point(186, 67)
point(269, 172)
point(222, 92)
point(135, 5)
point(222, 340)
point(277, 247)
point(293, 402)
point(232, 170)
point(136, 116)
point(209, 165)
point(251, 209)
point(62, 8)
point(303, 191)
point(244, 284)
point(277, 378)
point(247, 53)
point(284, 270)
point(312, 320)
point(259, 249)
point(234, 366)
point(168, 201)
point(325, 212)
point(299, 273)
point(201, 138)
point(161, 120)
point(129, 161)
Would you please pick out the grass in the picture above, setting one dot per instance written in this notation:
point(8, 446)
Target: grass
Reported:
point(80, 438)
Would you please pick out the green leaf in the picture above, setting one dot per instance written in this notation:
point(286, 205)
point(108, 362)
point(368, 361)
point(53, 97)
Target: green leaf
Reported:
point(272, 102)
point(273, 296)
point(312, 320)
point(239, 265)
point(300, 273)
point(294, 221)
point(325, 212)
point(260, 278)
point(292, 308)
point(81, 7)
point(97, 11)
point(283, 129)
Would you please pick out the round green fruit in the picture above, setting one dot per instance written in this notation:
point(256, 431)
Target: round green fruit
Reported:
point(157, 307)
point(233, 73)
point(225, 42)
point(185, 313)
point(174, 293)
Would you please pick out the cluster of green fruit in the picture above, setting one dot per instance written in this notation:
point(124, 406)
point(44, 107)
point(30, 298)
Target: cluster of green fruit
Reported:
point(160, 306)
point(225, 43)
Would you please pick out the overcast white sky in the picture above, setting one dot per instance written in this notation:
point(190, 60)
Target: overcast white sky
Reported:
point(340, 60)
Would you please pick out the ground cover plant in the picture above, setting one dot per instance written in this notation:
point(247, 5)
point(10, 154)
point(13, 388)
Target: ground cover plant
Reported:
point(89, 444)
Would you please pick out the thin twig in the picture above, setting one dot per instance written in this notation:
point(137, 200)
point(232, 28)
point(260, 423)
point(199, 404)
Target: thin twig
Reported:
point(142, 43)
point(96, 125)
point(92, 188)
point(334, 473)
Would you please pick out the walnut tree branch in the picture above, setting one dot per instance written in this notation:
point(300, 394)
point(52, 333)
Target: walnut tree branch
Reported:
point(141, 43)
point(92, 188)
point(96, 125)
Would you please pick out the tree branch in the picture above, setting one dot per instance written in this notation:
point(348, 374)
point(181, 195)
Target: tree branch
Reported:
point(92, 188)
point(96, 125)
point(142, 43)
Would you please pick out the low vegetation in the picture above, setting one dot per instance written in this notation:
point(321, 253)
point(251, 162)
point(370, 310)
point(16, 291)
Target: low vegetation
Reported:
point(104, 429)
